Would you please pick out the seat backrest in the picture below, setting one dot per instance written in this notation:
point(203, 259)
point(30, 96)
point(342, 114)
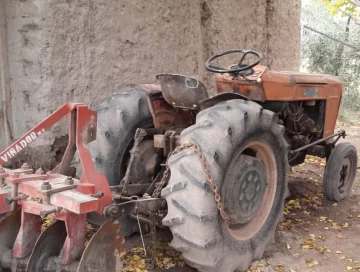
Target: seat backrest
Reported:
point(182, 91)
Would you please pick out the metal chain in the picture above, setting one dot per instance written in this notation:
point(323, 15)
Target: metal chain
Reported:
point(152, 261)
point(209, 178)
point(162, 183)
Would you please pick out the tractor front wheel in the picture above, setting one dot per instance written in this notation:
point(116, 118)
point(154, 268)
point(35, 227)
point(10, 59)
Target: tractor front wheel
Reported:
point(246, 155)
point(340, 172)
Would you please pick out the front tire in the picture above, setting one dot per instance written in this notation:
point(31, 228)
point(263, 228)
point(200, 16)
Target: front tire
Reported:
point(246, 153)
point(340, 172)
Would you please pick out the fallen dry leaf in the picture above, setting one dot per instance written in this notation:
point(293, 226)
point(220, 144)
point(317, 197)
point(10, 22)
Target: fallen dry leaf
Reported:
point(313, 264)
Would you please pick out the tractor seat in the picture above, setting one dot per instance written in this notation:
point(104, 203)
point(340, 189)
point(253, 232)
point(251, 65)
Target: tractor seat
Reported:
point(182, 91)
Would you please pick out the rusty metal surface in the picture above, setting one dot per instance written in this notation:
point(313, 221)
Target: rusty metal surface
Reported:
point(64, 166)
point(54, 195)
point(266, 85)
point(339, 134)
point(182, 91)
point(34, 133)
point(91, 182)
point(104, 249)
point(7, 190)
point(138, 138)
point(165, 115)
point(209, 102)
point(253, 90)
point(82, 131)
point(48, 245)
point(9, 228)
point(28, 233)
point(4, 193)
point(59, 245)
point(75, 240)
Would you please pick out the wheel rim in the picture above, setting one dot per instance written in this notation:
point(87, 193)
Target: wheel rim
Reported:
point(259, 191)
point(344, 176)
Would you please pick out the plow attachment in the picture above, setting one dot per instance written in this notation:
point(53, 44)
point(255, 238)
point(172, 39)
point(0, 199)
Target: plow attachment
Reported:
point(26, 198)
point(53, 250)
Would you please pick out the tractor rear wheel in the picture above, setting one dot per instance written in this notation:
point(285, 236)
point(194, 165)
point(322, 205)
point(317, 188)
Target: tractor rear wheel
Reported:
point(246, 154)
point(118, 118)
point(119, 115)
point(340, 172)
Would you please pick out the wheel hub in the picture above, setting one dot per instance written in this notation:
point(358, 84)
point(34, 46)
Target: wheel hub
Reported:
point(245, 187)
point(343, 175)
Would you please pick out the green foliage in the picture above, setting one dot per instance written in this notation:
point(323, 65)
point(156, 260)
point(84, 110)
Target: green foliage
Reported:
point(335, 7)
point(323, 55)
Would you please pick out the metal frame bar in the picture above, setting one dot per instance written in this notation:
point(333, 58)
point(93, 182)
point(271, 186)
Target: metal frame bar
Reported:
point(340, 134)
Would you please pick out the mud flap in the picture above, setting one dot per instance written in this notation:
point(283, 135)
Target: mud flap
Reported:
point(103, 251)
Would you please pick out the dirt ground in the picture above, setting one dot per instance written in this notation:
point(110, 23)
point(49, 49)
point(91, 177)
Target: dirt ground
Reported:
point(315, 234)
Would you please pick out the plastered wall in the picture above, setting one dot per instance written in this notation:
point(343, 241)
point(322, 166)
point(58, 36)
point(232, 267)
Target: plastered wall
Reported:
point(82, 50)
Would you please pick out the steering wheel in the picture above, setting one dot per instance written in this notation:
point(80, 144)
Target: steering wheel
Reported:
point(236, 68)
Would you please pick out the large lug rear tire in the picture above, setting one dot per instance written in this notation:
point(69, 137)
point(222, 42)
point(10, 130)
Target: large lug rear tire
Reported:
point(118, 118)
point(340, 172)
point(119, 115)
point(246, 153)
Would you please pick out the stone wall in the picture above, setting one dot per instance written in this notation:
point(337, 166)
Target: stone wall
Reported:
point(82, 50)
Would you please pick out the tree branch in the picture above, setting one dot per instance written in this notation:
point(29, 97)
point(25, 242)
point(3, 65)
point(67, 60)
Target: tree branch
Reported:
point(352, 17)
point(332, 38)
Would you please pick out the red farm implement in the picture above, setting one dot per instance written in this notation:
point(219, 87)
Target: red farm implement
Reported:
point(28, 197)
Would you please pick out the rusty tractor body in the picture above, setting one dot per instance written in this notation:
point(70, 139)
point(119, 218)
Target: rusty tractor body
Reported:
point(212, 169)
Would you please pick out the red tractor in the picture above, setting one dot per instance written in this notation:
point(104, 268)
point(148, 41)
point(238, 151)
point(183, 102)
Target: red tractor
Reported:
point(212, 169)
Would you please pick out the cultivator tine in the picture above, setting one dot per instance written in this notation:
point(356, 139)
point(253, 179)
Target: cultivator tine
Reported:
point(103, 250)
point(47, 248)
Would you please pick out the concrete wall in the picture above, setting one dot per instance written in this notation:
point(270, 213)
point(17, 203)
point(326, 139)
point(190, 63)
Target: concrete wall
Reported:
point(82, 50)
point(5, 94)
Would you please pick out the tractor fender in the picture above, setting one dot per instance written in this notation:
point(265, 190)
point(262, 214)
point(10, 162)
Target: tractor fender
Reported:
point(212, 101)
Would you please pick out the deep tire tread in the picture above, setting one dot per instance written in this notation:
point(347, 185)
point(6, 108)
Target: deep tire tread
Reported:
point(332, 171)
point(185, 168)
point(187, 209)
point(119, 115)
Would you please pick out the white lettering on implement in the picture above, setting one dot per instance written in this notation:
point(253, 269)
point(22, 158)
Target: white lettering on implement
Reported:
point(12, 152)
point(18, 148)
point(22, 143)
point(4, 158)
point(33, 135)
point(27, 139)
